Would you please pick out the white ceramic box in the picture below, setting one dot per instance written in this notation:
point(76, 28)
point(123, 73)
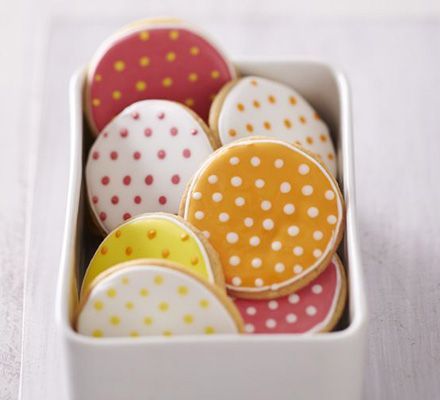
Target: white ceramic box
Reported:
point(221, 367)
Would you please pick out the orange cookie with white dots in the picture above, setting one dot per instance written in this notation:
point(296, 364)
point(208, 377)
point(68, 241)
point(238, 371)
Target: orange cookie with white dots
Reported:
point(262, 107)
point(154, 298)
point(154, 60)
point(271, 210)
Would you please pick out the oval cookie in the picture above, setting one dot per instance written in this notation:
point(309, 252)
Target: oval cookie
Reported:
point(143, 160)
point(273, 213)
point(161, 236)
point(154, 60)
point(258, 106)
point(145, 298)
point(315, 308)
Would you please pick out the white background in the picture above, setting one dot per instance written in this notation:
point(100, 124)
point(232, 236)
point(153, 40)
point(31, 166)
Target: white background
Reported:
point(391, 52)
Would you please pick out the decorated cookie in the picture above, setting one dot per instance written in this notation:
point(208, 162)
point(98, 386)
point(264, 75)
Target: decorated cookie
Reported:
point(154, 60)
point(161, 236)
point(271, 210)
point(154, 297)
point(257, 106)
point(143, 160)
point(315, 308)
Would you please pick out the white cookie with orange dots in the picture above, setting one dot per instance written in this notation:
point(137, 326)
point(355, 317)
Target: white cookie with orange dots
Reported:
point(143, 159)
point(261, 107)
point(272, 211)
point(151, 298)
point(159, 236)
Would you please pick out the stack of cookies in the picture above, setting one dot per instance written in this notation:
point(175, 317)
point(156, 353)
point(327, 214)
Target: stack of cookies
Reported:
point(216, 194)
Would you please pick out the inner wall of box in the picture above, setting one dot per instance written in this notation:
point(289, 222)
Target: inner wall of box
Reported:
point(327, 105)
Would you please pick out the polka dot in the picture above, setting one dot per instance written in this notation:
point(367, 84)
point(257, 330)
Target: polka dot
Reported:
point(280, 267)
point(302, 119)
point(317, 253)
point(256, 104)
point(151, 234)
point(104, 250)
point(259, 183)
point(126, 216)
point(175, 179)
point(105, 180)
point(167, 82)
point(248, 222)
point(217, 197)
point(182, 290)
point(240, 107)
point(188, 319)
point(271, 323)
point(291, 318)
point(311, 311)
point(212, 179)
point(114, 155)
point(267, 125)
point(307, 190)
point(276, 245)
point(317, 289)
point(97, 333)
point(254, 241)
point(223, 217)
point(96, 102)
point(136, 155)
point(114, 320)
point(95, 155)
point(255, 161)
point(126, 180)
point(239, 201)
point(197, 195)
point(329, 195)
point(98, 305)
point(149, 180)
point(289, 209)
point(287, 123)
point(273, 305)
point(293, 299)
point(163, 306)
point(95, 199)
point(285, 187)
point(312, 212)
point(271, 99)
point(251, 311)
point(278, 163)
point(167, 333)
point(232, 132)
point(331, 219)
point(215, 74)
point(115, 199)
point(102, 216)
point(170, 56)
point(144, 35)
point(199, 215)
point(148, 321)
point(186, 153)
point(162, 200)
point(297, 269)
point(116, 95)
point(119, 66)
point(144, 292)
point(234, 260)
point(293, 230)
point(303, 169)
point(234, 160)
point(148, 132)
point(123, 133)
point(189, 102)
point(298, 250)
point(249, 128)
point(174, 131)
point(204, 303)
point(232, 237)
point(236, 281)
point(209, 330)
point(292, 100)
point(144, 61)
point(161, 154)
point(268, 224)
point(236, 181)
point(318, 235)
point(266, 205)
point(192, 77)
point(128, 251)
point(141, 86)
point(259, 282)
point(256, 262)
point(194, 50)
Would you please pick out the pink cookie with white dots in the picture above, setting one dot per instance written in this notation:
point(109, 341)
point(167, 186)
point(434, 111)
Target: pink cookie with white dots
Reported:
point(315, 308)
point(143, 159)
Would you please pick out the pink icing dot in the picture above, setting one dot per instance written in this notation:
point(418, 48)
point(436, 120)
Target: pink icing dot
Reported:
point(114, 155)
point(161, 154)
point(161, 115)
point(194, 132)
point(186, 153)
point(102, 216)
point(135, 115)
point(175, 179)
point(95, 199)
point(105, 180)
point(148, 132)
point(105, 134)
point(124, 132)
point(173, 131)
point(95, 155)
point(126, 216)
point(126, 180)
point(137, 199)
point(149, 180)
point(162, 200)
point(136, 155)
point(115, 199)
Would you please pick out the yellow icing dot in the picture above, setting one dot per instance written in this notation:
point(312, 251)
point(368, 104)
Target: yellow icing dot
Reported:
point(182, 290)
point(167, 82)
point(98, 305)
point(96, 102)
point(287, 123)
point(167, 333)
point(292, 100)
point(174, 35)
point(144, 61)
point(302, 119)
point(141, 85)
point(194, 260)
point(163, 306)
point(151, 234)
point(266, 125)
point(97, 333)
point(232, 132)
point(171, 56)
point(165, 253)
point(128, 250)
point(249, 128)
point(309, 140)
point(323, 138)
point(204, 303)
point(134, 334)
point(194, 51)
point(116, 94)
point(144, 36)
point(158, 279)
point(115, 320)
point(209, 330)
point(148, 321)
point(184, 237)
point(189, 102)
point(271, 99)
point(188, 319)
point(256, 103)
point(215, 74)
point(118, 233)
point(144, 292)
point(240, 107)
point(192, 77)
point(111, 292)
point(119, 65)
point(129, 305)
point(98, 78)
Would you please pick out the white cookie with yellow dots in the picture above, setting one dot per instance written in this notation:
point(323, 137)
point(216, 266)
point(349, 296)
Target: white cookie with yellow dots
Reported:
point(261, 107)
point(154, 298)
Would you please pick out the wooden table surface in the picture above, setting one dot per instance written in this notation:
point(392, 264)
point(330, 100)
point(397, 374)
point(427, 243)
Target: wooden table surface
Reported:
point(393, 66)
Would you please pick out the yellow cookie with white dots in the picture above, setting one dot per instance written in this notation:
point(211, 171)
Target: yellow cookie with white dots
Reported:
point(160, 236)
point(154, 298)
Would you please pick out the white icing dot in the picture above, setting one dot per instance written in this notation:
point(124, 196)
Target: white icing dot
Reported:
point(223, 217)
point(318, 235)
point(291, 318)
point(234, 160)
point(298, 250)
point(249, 328)
point(231, 237)
point(307, 190)
point(276, 245)
point(236, 281)
point(255, 161)
point(248, 222)
point(303, 169)
point(312, 212)
point(271, 323)
point(268, 224)
point(280, 267)
point(197, 195)
point(259, 183)
point(293, 230)
point(317, 289)
point(273, 305)
point(254, 241)
point(236, 181)
point(239, 201)
point(278, 163)
point(285, 187)
point(207, 234)
point(199, 215)
point(212, 179)
point(234, 260)
point(289, 209)
point(317, 253)
point(266, 205)
point(329, 194)
point(297, 269)
point(217, 197)
point(311, 311)
point(251, 311)
point(256, 262)
point(293, 298)
point(331, 219)
point(259, 282)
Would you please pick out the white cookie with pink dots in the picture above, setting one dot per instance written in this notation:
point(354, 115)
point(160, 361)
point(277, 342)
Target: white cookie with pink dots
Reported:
point(262, 107)
point(143, 159)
